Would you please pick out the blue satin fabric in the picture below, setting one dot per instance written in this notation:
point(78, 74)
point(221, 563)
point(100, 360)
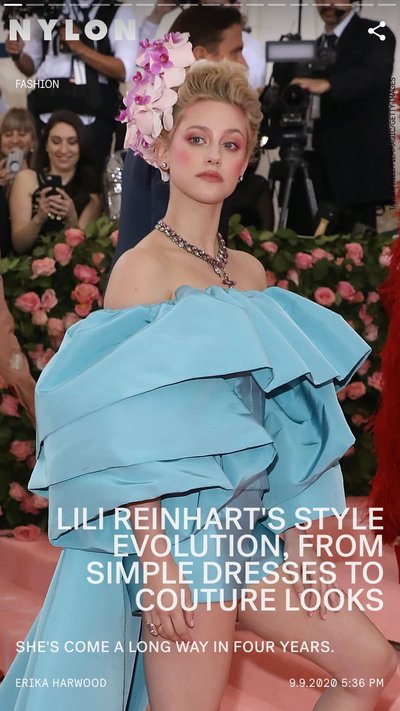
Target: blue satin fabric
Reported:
point(214, 398)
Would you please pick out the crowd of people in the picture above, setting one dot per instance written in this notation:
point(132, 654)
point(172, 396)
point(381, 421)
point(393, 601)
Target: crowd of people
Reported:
point(187, 418)
point(350, 161)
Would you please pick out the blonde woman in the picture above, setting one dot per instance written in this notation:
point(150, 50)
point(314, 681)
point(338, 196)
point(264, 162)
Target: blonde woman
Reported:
point(199, 394)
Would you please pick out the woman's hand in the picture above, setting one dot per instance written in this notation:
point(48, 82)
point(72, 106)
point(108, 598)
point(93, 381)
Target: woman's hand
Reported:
point(45, 204)
point(6, 178)
point(300, 557)
point(176, 624)
point(57, 205)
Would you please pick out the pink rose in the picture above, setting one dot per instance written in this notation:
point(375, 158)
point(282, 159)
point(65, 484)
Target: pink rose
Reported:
point(27, 533)
point(365, 367)
point(97, 258)
point(324, 296)
point(293, 276)
point(349, 452)
point(43, 267)
point(22, 448)
point(9, 406)
point(85, 295)
point(55, 327)
point(74, 236)
point(246, 237)
point(355, 390)
point(358, 420)
point(269, 246)
point(342, 394)
point(44, 358)
point(17, 492)
point(270, 277)
point(303, 260)
point(355, 252)
point(114, 238)
point(371, 333)
point(373, 297)
point(27, 505)
point(317, 254)
point(357, 298)
point(339, 261)
point(375, 380)
point(28, 302)
point(49, 299)
point(62, 253)
point(40, 502)
point(366, 318)
point(86, 274)
point(70, 318)
point(349, 267)
point(346, 290)
point(41, 357)
point(385, 257)
point(83, 310)
point(283, 284)
point(39, 317)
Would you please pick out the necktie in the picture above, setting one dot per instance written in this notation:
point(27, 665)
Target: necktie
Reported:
point(330, 41)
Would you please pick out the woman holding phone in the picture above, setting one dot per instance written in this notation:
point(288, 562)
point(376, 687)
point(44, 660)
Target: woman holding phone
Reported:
point(18, 141)
point(62, 192)
point(17, 144)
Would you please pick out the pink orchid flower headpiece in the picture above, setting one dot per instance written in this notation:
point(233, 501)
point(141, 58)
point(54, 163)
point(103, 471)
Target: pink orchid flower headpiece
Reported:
point(150, 101)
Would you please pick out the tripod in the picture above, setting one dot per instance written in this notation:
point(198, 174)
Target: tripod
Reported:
point(291, 161)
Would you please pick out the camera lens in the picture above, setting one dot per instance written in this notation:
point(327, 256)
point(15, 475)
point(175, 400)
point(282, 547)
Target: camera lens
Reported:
point(14, 166)
point(294, 95)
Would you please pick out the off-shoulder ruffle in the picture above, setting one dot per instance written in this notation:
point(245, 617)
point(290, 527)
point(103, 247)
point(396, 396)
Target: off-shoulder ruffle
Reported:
point(163, 400)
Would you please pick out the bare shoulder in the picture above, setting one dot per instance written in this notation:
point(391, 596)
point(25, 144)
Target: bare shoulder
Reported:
point(26, 178)
point(137, 278)
point(250, 268)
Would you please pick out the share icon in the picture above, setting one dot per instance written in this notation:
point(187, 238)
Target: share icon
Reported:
point(371, 30)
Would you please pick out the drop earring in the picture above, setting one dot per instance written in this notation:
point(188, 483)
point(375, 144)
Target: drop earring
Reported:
point(240, 178)
point(164, 165)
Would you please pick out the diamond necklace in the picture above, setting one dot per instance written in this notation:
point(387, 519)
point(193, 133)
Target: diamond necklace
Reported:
point(218, 263)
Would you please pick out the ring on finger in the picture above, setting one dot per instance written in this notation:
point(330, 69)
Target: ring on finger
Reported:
point(152, 628)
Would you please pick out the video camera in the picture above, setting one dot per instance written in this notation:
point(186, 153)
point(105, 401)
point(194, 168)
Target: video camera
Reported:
point(285, 106)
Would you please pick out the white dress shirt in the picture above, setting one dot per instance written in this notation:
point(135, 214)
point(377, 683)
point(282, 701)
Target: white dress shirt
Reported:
point(60, 66)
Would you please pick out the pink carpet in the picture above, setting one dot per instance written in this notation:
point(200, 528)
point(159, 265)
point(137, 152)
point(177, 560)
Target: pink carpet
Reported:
point(258, 682)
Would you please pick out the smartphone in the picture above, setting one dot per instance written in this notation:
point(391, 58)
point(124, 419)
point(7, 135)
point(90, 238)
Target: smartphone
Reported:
point(15, 160)
point(55, 182)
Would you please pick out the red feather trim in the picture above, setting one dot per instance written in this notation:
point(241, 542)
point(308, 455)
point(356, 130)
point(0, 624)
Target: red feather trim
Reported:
point(385, 490)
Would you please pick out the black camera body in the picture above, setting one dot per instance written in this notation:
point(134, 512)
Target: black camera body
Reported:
point(285, 105)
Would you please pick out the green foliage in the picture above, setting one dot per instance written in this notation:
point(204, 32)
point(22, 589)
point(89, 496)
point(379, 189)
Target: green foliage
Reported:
point(52, 291)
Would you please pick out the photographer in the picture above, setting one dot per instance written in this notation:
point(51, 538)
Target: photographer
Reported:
point(351, 164)
point(89, 71)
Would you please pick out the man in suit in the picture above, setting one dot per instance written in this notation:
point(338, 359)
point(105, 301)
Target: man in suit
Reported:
point(352, 163)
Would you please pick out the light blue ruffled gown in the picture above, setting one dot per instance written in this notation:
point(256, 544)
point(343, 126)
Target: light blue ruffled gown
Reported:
point(214, 397)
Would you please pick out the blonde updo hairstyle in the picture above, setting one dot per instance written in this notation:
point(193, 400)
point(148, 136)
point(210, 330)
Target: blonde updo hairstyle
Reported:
point(225, 82)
